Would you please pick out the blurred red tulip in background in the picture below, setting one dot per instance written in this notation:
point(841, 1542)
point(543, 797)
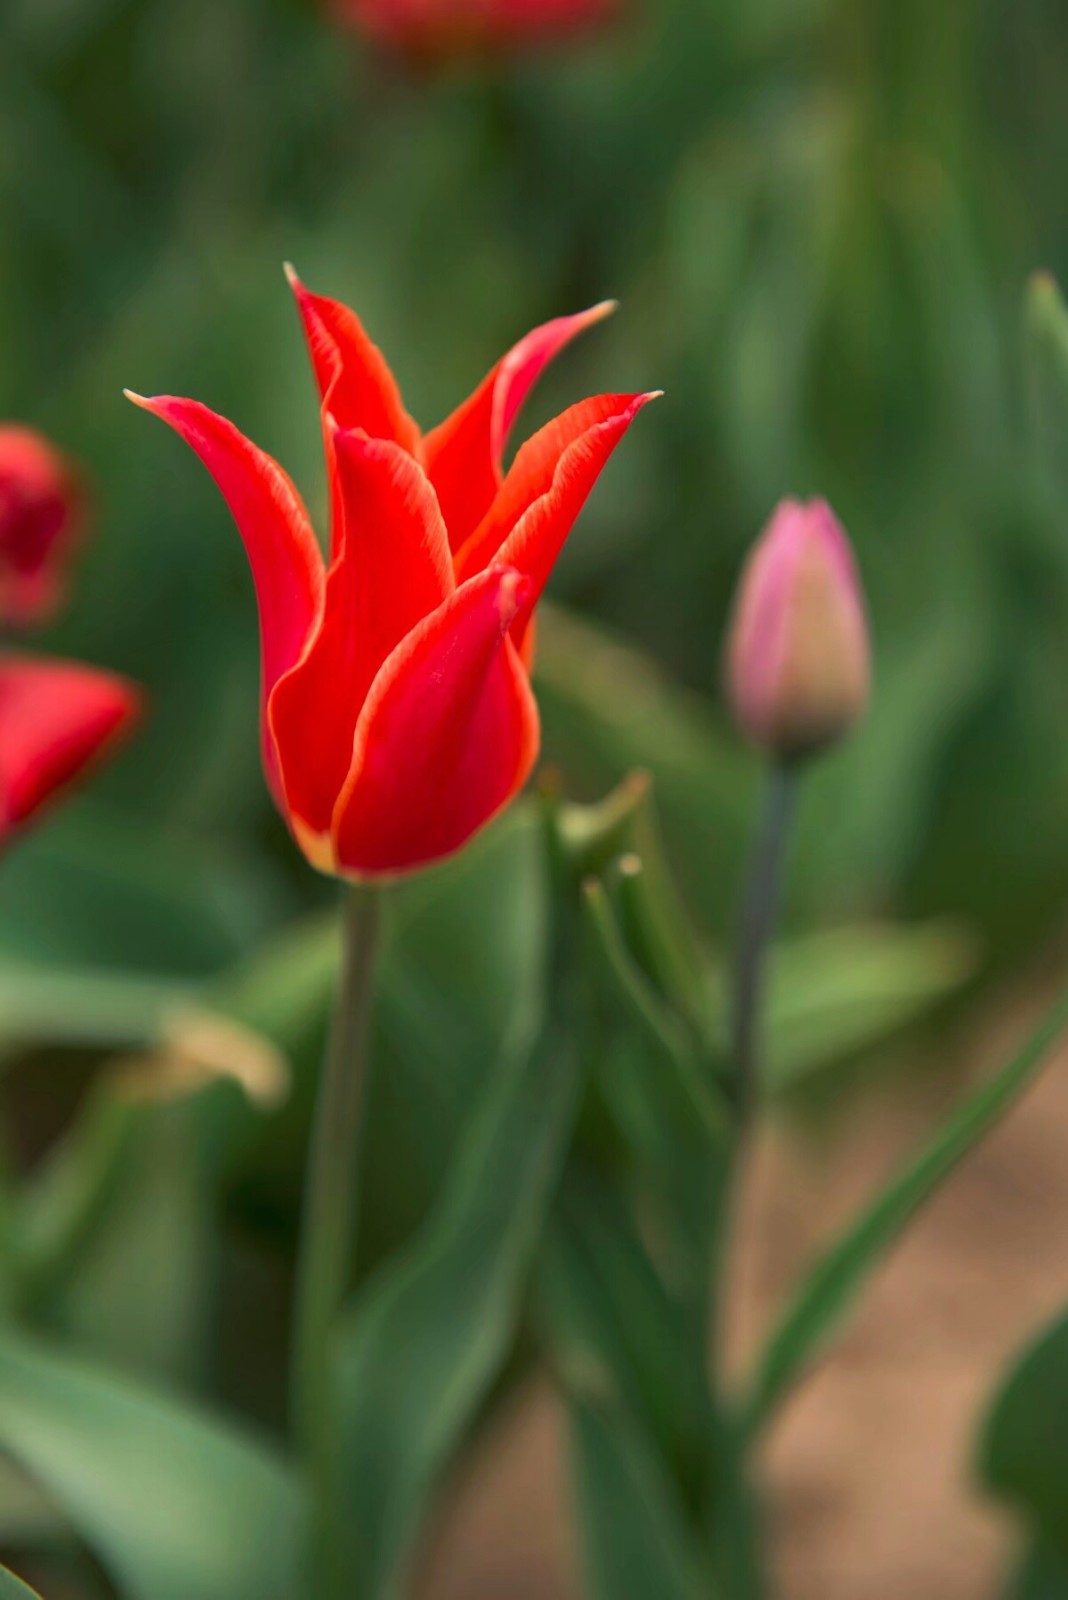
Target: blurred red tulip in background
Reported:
point(442, 28)
point(41, 516)
point(397, 715)
point(56, 719)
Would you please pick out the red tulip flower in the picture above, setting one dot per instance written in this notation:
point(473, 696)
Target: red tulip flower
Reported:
point(397, 712)
point(440, 28)
point(41, 508)
point(57, 718)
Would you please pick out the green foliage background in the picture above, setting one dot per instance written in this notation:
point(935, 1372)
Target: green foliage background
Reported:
point(819, 218)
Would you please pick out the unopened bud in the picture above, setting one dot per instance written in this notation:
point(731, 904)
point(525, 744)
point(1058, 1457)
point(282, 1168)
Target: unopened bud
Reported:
point(798, 658)
point(41, 508)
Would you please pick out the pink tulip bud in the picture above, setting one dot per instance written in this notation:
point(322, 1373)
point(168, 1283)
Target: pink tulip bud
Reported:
point(41, 512)
point(798, 661)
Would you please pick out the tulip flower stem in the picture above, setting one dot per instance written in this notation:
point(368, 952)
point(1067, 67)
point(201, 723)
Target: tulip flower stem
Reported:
point(758, 925)
point(328, 1231)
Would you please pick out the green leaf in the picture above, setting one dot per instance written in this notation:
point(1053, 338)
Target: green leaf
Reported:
point(79, 1006)
point(12, 1588)
point(833, 994)
point(636, 1544)
point(1042, 1575)
point(175, 1505)
point(659, 1086)
point(106, 889)
point(1046, 348)
point(460, 981)
point(830, 1289)
point(657, 928)
point(419, 1351)
point(130, 1279)
point(1023, 1453)
point(610, 708)
point(109, 1238)
point(611, 1326)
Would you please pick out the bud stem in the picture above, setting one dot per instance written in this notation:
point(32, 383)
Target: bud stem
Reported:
point(328, 1227)
point(758, 925)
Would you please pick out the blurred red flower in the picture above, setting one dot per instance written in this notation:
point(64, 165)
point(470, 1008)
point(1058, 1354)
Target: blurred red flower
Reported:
point(397, 712)
point(41, 516)
point(56, 719)
point(441, 28)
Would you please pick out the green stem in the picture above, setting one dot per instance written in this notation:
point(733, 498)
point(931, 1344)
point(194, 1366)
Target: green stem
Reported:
point(734, 1521)
point(328, 1231)
point(758, 925)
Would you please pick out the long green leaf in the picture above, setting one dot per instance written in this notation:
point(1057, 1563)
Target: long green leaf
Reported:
point(609, 1322)
point(175, 1505)
point(661, 1091)
point(636, 1544)
point(1023, 1453)
point(419, 1351)
point(831, 1288)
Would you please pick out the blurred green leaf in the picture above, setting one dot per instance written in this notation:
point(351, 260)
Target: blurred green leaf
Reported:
point(12, 1588)
point(176, 1505)
point(659, 1084)
point(609, 709)
point(1042, 1575)
point(832, 994)
point(657, 929)
point(634, 1538)
point(110, 1234)
point(461, 985)
point(1046, 350)
point(90, 887)
point(1023, 1452)
point(424, 1343)
point(460, 980)
point(106, 1010)
point(27, 1516)
point(130, 1281)
point(831, 1287)
point(612, 1329)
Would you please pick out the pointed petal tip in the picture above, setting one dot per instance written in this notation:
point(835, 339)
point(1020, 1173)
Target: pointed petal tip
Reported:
point(136, 399)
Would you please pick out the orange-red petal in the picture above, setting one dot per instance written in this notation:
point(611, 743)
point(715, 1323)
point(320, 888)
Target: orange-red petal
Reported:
point(447, 736)
point(286, 562)
point(56, 718)
point(392, 570)
point(351, 370)
point(463, 454)
point(549, 483)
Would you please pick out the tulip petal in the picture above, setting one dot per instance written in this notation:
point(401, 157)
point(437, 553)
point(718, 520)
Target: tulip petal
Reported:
point(447, 736)
point(42, 512)
point(286, 562)
point(56, 717)
point(351, 371)
point(393, 569)
point(549, 483)
point(463, 454)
